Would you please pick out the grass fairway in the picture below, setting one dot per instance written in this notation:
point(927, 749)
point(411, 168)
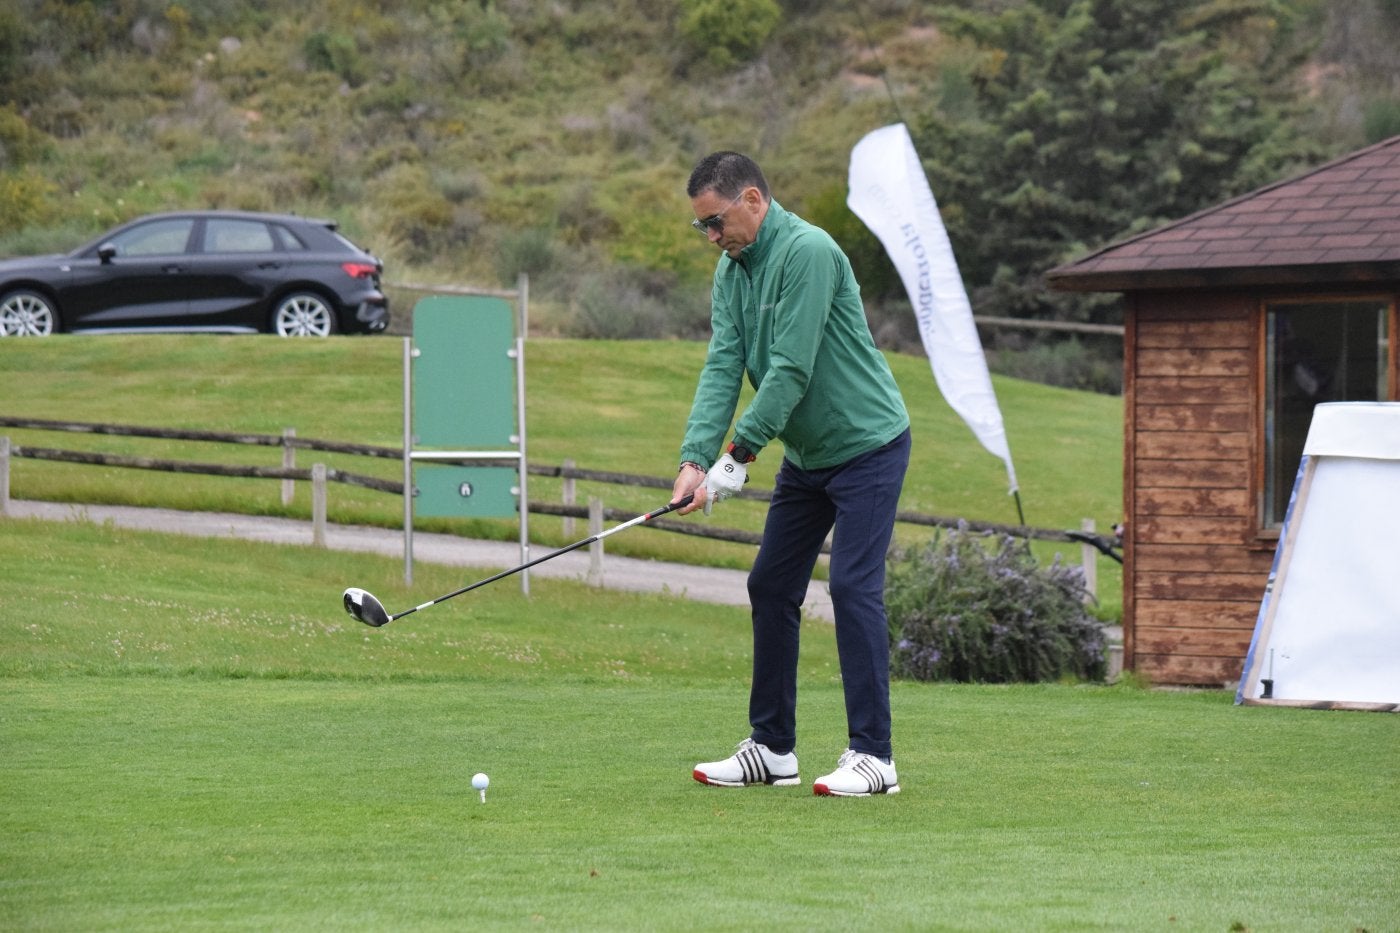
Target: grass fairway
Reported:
point(195, 736)
point(607, 405)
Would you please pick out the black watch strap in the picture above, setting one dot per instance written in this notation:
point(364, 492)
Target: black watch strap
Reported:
point(741, 454)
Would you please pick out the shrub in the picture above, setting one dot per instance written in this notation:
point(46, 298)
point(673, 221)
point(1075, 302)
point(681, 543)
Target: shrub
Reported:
point(413, 212)
point(20, 144)
point(726, 32)
point(530, 251)
point(25, 200)
point(336, 52)
point(962, 611)
point(1381, 119)
point(624, 303)
point(1071, 364)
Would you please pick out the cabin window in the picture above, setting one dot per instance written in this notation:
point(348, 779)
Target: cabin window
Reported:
point(1318, 351)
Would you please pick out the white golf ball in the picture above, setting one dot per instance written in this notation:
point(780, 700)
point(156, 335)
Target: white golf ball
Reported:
point(480, 781)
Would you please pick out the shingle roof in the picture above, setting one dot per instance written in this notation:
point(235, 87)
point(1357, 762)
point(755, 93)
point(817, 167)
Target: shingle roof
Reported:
point(1339, 222)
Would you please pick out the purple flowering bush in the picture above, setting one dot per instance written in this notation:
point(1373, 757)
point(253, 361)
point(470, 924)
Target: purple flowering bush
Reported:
point(964, 608)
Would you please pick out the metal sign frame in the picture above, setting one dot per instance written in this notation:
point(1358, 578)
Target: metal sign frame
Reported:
point(517, 453)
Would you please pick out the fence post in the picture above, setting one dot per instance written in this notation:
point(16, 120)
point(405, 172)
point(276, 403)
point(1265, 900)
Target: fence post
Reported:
point(4, 475)
point(1089, 558)
point(318, 505)
point(569, 493)
point(289, 462)
point(595, 550)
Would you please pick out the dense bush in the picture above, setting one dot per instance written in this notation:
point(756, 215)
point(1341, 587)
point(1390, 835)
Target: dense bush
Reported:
point(629, 303)
point(960, 610)
point(1070, 363)
point(337, 53)
point(726, 32)
point(531, 251)
point(24, 200)
point(19, 142)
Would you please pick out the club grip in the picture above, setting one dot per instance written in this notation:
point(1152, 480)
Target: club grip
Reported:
point(669, 507)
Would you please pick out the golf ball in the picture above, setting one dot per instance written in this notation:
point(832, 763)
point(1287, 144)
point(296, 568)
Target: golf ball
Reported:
point(480, 781)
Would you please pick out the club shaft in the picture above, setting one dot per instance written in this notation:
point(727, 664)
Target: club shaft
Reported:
point(671, 507)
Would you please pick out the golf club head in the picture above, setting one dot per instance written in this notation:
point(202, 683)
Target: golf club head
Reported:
point(362, 605)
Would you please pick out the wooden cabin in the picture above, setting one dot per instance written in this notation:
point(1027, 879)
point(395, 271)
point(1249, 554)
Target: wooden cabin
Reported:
point(1238, 320)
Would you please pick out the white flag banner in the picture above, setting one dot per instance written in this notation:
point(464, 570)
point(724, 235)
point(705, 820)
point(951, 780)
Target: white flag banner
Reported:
point(890, 194)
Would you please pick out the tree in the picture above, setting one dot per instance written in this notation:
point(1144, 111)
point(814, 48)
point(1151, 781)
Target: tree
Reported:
point(1087, 120)
point(727, 32)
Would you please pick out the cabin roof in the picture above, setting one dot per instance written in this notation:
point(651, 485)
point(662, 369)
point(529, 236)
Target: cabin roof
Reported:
point(1339, 222)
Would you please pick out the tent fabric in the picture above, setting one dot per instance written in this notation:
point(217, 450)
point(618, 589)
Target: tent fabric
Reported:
point(1328, 631)
point(1355, 429)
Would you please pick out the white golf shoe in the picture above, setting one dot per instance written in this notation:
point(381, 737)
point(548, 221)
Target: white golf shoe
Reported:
point(751, 764)
point(858, 775)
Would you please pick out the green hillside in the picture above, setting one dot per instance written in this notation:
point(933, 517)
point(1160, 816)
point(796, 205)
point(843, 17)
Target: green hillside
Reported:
point(468, 142)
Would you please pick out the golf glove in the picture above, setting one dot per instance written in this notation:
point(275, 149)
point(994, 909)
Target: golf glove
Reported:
point(725, 479)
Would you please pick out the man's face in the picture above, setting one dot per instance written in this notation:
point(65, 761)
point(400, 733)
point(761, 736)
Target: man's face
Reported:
point(730, 224)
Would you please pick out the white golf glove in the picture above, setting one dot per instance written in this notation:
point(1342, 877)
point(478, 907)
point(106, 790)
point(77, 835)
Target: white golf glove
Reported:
point(725, 479)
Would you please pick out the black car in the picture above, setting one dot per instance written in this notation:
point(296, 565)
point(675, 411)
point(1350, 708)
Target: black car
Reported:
point(225, 272)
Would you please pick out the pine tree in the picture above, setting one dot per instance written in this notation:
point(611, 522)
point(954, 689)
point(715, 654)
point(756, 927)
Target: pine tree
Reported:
point(1087, 120)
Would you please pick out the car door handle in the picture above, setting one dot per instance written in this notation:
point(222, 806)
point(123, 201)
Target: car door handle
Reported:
point(174, 269)
point(269, 265)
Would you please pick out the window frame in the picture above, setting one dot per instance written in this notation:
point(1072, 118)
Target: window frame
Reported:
point(212, 227)
point(1267, 535)
point(146, 229)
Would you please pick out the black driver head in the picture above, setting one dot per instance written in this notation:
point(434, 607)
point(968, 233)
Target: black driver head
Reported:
point(362, 605)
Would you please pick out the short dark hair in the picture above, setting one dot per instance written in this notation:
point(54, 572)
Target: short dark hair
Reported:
point(727, 174)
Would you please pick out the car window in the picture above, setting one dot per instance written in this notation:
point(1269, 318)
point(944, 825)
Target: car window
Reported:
point(157, 238)
point(288, 239)
point(222, 235)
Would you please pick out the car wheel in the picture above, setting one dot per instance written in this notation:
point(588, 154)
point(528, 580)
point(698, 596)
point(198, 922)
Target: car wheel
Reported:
point(27, 314)
point(302, 314)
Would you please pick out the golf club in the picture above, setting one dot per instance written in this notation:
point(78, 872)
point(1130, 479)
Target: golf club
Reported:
point(364, 606)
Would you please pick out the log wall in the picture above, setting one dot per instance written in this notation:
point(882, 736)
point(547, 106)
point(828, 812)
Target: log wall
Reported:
point(1195, 565)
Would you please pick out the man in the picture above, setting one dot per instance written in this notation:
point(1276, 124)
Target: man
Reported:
point(786, 312)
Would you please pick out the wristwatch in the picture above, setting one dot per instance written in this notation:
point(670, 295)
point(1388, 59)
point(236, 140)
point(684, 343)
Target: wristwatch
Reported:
point(740, 453)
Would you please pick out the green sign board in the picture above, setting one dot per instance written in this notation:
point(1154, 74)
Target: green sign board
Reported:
point(452, 491)
point(464, 383)
point(464, 400)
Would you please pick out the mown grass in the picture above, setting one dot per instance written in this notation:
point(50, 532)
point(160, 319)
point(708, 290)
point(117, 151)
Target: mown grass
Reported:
point(98, 600)
point(607, 405)
point(196, 737)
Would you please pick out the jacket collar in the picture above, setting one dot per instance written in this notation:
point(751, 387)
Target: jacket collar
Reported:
point(758, 250)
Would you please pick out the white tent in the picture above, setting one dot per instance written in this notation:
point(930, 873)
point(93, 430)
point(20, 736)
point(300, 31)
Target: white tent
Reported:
point(1328, 633)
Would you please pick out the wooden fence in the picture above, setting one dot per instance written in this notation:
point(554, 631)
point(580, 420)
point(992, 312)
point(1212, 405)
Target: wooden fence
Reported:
point(319, 476)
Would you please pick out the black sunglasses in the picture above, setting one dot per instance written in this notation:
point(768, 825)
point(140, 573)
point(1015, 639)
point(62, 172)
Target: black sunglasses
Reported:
point(715, 222)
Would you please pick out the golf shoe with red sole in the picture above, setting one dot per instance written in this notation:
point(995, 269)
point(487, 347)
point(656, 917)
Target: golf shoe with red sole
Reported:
point(751, 764)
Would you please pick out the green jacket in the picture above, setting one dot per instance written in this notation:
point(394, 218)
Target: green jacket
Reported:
point(788, 314)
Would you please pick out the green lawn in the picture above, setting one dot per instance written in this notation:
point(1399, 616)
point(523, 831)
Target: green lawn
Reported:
point(615, 406)
point(195, 736)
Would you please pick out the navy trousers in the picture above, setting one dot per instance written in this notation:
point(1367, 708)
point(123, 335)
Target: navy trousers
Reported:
point(856, 501)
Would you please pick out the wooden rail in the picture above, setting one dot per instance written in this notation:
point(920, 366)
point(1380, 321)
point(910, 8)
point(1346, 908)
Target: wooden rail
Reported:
point(289, 440)
point(1072, 327)
point(208, 469)
point(218, 437)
